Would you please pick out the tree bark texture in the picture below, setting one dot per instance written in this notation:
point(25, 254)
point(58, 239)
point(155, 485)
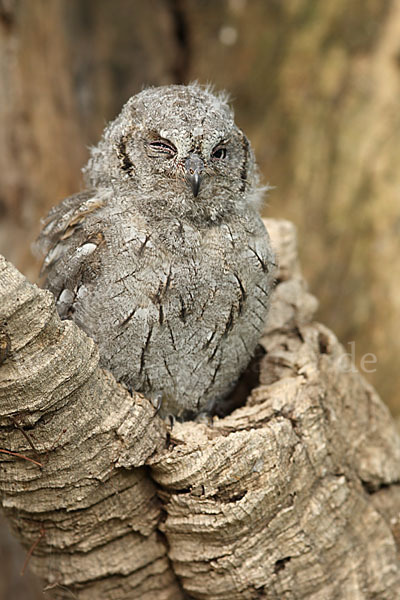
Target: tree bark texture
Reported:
point(293, 495)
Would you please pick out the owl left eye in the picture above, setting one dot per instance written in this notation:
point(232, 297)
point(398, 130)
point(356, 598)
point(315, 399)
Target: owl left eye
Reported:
point(219, 152)
point(163, 147)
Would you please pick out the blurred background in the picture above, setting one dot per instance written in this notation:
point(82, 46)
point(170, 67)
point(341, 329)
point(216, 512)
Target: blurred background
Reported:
point(316, 87)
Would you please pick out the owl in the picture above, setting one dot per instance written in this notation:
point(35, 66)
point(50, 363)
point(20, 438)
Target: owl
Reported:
point(163, 259)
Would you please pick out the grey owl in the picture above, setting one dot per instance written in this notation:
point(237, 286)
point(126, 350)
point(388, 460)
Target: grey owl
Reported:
point(164, 259)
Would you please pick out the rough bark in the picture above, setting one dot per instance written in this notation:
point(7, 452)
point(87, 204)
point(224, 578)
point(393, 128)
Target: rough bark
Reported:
point(92, 517)
point(294, 495)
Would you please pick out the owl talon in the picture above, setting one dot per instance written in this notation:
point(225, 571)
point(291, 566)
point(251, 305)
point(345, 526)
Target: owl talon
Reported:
point(172, 419)
point(157, 401)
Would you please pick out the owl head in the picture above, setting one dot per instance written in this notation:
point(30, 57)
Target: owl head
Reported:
point(176, 148)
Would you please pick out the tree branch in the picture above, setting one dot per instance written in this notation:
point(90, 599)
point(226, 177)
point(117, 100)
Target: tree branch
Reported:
point(295, 495)
point(99, 515)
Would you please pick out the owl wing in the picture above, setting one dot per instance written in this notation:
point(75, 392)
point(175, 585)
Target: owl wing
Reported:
point(68, 241)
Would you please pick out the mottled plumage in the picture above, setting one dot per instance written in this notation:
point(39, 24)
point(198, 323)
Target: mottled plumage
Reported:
point(164, 260)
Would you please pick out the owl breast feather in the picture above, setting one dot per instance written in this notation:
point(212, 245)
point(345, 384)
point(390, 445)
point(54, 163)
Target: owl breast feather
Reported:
point(180, 325)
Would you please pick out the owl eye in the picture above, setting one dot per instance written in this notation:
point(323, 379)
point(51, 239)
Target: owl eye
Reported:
point(163, 147)
point(219, 152)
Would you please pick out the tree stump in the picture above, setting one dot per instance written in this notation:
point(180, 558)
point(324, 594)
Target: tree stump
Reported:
point(295, 494)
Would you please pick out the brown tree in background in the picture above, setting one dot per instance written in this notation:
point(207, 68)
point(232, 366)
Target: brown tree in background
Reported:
point(316, 85)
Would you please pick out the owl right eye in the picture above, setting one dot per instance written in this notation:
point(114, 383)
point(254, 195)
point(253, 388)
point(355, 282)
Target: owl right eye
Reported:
point(163, 147)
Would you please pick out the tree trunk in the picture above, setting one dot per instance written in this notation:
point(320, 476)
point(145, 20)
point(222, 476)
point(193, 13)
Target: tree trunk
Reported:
point(295, 494)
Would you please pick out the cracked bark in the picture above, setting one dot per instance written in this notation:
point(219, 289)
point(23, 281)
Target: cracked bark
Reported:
point(293, 495)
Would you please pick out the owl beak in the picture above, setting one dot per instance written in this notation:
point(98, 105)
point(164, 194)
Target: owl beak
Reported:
point(193, 168)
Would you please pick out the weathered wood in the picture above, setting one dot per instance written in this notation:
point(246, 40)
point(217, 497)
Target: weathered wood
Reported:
point(86, 501)
point(293, 495)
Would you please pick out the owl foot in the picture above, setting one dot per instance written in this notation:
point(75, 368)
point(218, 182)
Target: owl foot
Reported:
point(157, 401)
